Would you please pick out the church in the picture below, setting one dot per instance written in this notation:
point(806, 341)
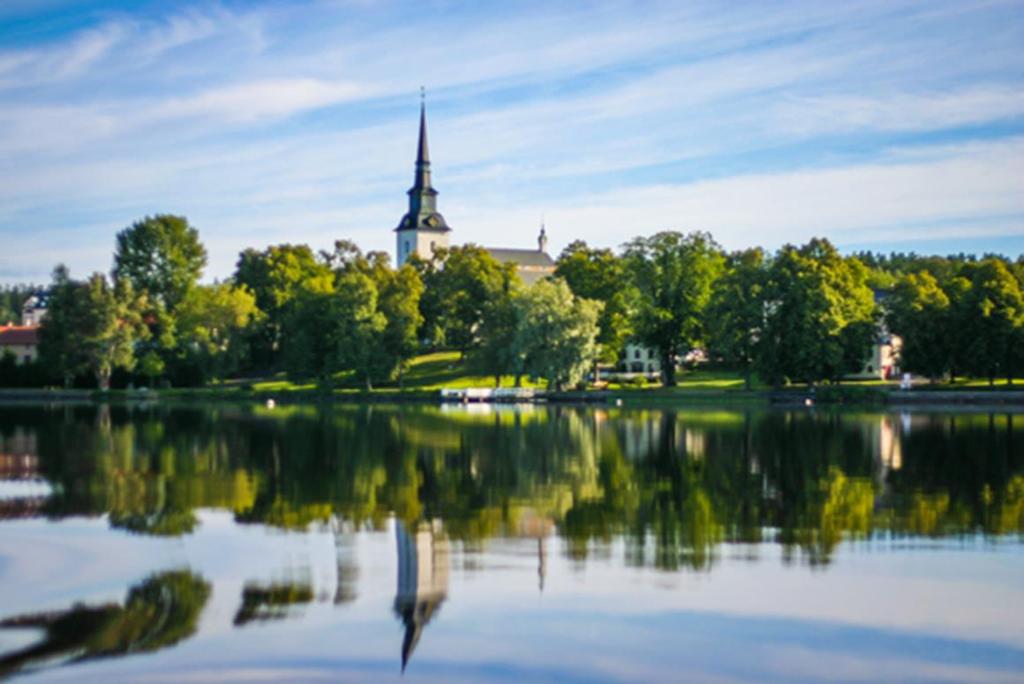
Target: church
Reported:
point(423, 229)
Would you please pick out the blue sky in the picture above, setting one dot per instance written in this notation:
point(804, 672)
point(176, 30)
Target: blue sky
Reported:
point(880, 125)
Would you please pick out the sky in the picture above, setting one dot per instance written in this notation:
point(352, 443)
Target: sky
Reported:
point(882, 125)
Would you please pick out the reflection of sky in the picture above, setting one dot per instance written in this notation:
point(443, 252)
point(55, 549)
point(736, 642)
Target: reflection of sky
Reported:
point(899, 611)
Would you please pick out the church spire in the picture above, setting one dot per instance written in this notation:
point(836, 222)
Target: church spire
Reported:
point(423, 155)
point(422, 230)
point(423, 214)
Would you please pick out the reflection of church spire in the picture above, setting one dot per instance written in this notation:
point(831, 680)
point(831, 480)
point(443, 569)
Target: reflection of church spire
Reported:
point(542, 563)
point(347, 573)
point(422, 580)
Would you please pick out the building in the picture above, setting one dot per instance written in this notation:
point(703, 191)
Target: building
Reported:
point(34, 308)
point(423, 229)
point(22, 341)
point(638, 358)
point(883, 361)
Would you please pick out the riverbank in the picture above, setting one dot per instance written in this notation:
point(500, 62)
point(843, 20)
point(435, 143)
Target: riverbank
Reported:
point(795, 397)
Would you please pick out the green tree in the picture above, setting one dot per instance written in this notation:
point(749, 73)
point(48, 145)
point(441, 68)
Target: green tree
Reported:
point(674, 275)
point(458, 284)
point(110, 324)
point(275, 276)
point(820, 315)
point(599, 275)
point(360, 328)
point(309, 332)
point(212, 320)
point(918, 310)
point(994, 311)
point(400, 292)
point(59, 347)
point(497, 353)
point(735, 315)
point(162, 256)
point(557, 333)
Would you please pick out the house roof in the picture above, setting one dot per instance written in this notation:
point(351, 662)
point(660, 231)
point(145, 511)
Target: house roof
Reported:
point(11, 335)
point(522, 257)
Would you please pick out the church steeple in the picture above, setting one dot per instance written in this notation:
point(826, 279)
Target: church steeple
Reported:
point(423, 228)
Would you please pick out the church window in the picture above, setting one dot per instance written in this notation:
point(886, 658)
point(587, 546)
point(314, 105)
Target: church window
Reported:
point(406, 246)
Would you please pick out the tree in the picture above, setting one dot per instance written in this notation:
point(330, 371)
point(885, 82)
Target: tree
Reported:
point(918, 310)
point(599, 275)
point(674, 275)
point(497, 353)
point(400, 292)
point(994, 307)
point(735, 314)
point(458, 284)
point(111, 323)
point(59, 347)
point(275, 276)
point(310, 340)
point(557, 333)
point(161, 256)
point(820, 312)
point(360, 327)
point(211, 322)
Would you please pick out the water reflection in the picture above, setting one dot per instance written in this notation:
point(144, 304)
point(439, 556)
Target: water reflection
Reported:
point(677, 483)
point(158, 612)
point(676, 488)
point(422, 580)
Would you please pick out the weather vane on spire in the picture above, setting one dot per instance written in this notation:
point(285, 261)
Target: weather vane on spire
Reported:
point(423, 95)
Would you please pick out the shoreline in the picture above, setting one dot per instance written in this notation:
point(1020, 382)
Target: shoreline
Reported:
point(789, 398)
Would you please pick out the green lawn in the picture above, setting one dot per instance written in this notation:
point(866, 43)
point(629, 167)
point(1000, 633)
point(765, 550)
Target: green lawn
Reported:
point(428, 372)
point(437, 370)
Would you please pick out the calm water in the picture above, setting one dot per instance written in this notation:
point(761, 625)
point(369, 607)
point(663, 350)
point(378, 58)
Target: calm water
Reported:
point(521, 544)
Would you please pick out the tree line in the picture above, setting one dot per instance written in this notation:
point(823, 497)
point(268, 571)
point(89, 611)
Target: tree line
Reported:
point(801, 314)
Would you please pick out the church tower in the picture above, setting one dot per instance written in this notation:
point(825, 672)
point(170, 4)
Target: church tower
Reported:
point(422, 229)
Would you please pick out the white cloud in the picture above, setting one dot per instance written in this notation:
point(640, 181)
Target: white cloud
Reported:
point(259, 100)
point(900, 111)
point(850, 204)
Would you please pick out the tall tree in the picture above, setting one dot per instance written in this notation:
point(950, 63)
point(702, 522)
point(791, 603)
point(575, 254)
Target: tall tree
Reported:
point(275, 276)
point(498, 353)
point(557, 333)
point(399, 302)
point(59, 347)
point(162, 256)
point(211, 323)
point(820, 315)
point(600, 275)
point(458, 284)
point(360, 328)
point(994, 306)
point(673, 274)
point(919, 312)
point(110, 322)
point(735, 315)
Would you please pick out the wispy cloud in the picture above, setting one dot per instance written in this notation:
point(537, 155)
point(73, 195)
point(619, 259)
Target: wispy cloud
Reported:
point(265, 122)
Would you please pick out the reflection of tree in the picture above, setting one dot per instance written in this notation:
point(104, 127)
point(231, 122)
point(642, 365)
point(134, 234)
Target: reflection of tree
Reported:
point(674, 484)
point(161, 611)
point(271, 602)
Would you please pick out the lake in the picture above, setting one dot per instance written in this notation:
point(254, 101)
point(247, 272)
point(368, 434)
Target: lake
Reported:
point(508, 544)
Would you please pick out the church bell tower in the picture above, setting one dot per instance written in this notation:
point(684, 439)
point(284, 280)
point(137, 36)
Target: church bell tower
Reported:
point(422, 229)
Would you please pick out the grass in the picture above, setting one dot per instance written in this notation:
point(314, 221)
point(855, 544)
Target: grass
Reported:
point(429, 373)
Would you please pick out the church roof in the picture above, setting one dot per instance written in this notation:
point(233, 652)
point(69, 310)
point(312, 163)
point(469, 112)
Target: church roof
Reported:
point(522, 257)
